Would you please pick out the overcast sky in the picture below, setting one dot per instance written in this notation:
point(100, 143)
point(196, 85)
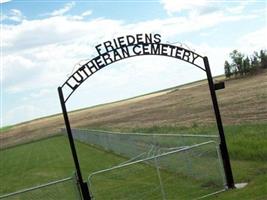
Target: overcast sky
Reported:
point(41, 42)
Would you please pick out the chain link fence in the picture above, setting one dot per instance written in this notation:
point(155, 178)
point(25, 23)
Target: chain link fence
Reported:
point(191, 172)
point(160, 166)
point(131, 145)
point(66, 189)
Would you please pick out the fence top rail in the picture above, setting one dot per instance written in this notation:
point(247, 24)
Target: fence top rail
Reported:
point(36, 187)
point(148, 134)
point(150, 158)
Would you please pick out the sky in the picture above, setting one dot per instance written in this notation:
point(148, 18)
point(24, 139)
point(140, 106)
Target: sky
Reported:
point(42, 43)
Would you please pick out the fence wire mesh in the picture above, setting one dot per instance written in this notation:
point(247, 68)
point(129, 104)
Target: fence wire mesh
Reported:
point(185, 173)
point(66, 189)
point(131, 145)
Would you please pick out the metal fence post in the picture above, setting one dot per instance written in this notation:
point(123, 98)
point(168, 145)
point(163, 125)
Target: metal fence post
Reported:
point(223, 146)
point(83, 185)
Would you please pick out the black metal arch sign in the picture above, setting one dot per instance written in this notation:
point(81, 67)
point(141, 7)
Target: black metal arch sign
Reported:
point(128, 46)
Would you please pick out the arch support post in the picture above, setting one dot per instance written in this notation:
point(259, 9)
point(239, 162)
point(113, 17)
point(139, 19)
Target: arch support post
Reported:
point(223, 146)
point(83, 185)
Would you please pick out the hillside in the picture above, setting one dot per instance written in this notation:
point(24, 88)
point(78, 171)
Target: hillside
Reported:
point(242, 101)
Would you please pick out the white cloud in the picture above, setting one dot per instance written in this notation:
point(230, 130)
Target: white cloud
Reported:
point(63, 10)
point(87, 13)
point(239, 8)
point(255, 41)
point(216, 55)
point(39, 54)
point(53, 30)
point(4, 1)
point(13, 15)
point(82, 16)
point(41, 93)
point(177, 25)
point(22, 113)
point(60, 29)
point(203, 7)
point(236, 9)
point(177, 6)
point(44, 51)
point(16, 70)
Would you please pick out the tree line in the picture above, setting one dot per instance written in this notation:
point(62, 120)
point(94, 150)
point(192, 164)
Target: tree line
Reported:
point(242, 65)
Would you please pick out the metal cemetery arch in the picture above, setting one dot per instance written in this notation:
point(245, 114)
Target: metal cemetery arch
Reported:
point(131, 46)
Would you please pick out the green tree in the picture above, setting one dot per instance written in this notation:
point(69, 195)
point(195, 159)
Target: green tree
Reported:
point(227, 69)
point(255, 63)
point(246, 65)
point(263, 58)
point(237, 58)
point(242, 65)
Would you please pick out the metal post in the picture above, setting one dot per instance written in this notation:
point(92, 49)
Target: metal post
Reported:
point(83, 185)
point(223, 146)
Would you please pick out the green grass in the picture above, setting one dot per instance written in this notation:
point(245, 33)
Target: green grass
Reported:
point(46, 160)
point(245, 141)
point(5, 128)
point(247, 146)
point(50, 159)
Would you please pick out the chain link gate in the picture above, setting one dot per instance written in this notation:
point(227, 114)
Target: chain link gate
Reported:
point(190, 172)
point(66, 189)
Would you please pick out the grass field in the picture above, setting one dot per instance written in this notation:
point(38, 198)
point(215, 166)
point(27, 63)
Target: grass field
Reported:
point(49, 159)
point(247, 146)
